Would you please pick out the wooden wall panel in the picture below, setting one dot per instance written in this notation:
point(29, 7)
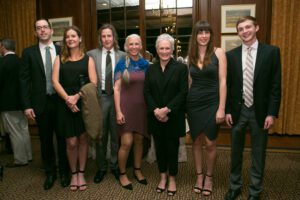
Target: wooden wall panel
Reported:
point(16, 22)
point(210, 10)
point(83, 13)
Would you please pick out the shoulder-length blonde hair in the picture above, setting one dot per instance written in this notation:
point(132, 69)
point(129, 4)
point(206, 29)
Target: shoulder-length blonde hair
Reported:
point(65, 52)
point(193, 55)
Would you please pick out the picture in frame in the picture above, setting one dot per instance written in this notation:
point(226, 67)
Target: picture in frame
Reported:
point(58, 26)
point(231, 13)
point(229, 42)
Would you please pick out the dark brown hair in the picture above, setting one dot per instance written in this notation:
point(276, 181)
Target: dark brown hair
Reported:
point(49, 24)
point(193, 55)
point(65, 53)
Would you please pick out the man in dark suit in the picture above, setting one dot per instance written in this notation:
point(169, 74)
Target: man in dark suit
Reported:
point(14, 120)
point(253, 100)
point(108, 42)
point(39, 100)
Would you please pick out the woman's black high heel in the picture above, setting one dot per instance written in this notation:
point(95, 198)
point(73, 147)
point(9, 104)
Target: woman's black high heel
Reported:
point(82, 187)
point(73, 187)
point(142, 181)
point(128, 186)
point(198, 189)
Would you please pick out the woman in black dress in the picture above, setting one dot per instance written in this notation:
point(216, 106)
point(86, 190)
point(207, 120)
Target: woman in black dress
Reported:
point(206, 100)
point(72, 64)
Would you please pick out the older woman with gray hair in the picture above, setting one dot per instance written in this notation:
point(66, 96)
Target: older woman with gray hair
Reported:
point(166, 88)
point(131, 108)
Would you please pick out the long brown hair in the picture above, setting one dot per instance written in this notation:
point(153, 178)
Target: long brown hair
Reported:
point(193, 55)
point(65, 52)
point(114, 33)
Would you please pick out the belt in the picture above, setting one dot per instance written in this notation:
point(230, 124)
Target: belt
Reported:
point(104, 92)
point(51, 95)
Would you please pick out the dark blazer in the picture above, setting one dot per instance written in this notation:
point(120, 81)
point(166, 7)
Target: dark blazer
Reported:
point(33, 79)
point(9, 83)
point(266, 87)
point(168, 88)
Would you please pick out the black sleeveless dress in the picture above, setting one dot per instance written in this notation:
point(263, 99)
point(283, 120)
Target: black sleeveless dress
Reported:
point(71, 124)
point(203, 100)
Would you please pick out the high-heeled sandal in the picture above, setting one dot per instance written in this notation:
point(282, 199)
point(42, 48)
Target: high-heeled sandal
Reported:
point(82, 187)
point(209, 191)
point(141, 181)
point(73, 187)
point(171, 192)
point(128, 186)
point(197, 189)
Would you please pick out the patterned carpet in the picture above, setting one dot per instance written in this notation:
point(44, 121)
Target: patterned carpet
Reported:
point(282, 180)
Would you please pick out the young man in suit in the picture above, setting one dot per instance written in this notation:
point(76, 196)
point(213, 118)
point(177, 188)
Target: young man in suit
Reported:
point(39, 101)
point(253, 100)
point(109, 49)
point(14, 120)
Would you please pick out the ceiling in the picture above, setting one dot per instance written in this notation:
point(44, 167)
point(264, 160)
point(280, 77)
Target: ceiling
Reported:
point(149, 4)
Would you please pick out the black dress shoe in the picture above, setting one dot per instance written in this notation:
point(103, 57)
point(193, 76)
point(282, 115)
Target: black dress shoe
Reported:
point(232, 194)
point(1, 172)
point(116, 173)
point(65, 180)
point(253, 197)
point(13, 165)
point(49, 182)
point(99, 176)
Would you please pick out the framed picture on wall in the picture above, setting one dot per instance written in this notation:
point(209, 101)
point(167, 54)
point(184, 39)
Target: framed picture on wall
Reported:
point(58, 26)
point(231, 13)
point(229, 42)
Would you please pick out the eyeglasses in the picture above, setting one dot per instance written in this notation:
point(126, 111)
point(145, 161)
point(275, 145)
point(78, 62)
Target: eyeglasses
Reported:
point(38, 28)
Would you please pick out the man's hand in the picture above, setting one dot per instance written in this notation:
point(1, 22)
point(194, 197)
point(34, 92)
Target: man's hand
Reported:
point(228, 119)
point(29, 113)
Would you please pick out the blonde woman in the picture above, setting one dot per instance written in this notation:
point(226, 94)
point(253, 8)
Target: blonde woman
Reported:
point(130, 108)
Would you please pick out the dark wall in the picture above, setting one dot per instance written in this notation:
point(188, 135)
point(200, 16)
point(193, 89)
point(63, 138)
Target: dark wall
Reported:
point(82, 11)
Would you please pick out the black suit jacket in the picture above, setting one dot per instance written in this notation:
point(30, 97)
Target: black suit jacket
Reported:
point(266, 87)
point(33, 79)
point(167, 89)
point(9, 83)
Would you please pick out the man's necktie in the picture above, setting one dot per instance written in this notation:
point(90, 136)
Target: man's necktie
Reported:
point(48, 67)
point(248, 79)
point(108, 75)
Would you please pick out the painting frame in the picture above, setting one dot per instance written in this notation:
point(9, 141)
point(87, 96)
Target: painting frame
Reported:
point(58, 25)
point(231, 13)
point(229, 42)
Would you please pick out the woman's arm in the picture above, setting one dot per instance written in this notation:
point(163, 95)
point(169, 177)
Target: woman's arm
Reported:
point(55, 80)
point(117, 97)
point(220, 115)
point(70, 100)
point(92, 71)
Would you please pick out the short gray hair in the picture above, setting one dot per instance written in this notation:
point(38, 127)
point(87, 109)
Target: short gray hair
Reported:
point(165, 37)
point(131, 36)
point(8, 44)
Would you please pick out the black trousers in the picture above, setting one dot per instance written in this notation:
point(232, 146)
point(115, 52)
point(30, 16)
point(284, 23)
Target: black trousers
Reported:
point(259, 138)
point(47, 125)
point(166, 153)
